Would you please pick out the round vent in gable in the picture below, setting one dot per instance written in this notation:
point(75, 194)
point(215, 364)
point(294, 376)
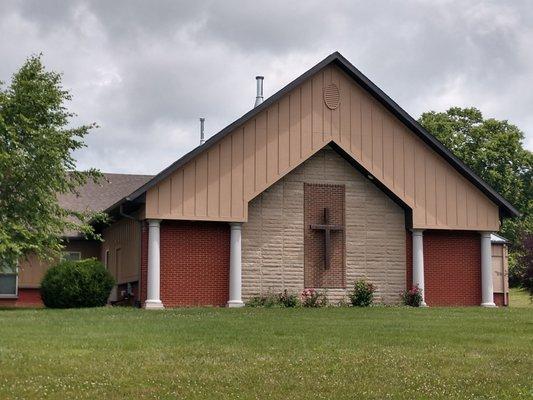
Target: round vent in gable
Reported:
point(332, 96)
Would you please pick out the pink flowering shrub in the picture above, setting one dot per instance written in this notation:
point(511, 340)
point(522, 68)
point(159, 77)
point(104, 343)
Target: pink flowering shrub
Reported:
point(362, 294)
point(412, 297)
point(314, 299)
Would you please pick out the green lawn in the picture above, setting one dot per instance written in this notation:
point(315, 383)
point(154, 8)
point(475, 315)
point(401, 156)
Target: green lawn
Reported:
point(336, 353)
point(520, 298)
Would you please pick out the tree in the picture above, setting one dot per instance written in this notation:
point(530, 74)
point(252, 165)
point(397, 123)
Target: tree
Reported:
point(494, 150)
point(526, 260)
point(36, 164)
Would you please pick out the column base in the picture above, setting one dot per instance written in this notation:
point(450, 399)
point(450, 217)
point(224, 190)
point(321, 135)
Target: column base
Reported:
point(424, 304)
point(489, 305)
point(235, 304)
point(153, 305)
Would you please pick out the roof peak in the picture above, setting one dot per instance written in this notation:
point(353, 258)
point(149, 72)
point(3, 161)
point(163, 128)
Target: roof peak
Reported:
point(505, 207)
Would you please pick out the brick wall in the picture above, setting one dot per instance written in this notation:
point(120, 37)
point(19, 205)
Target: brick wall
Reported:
point(318, 197)
point(273, 237)
point(452, 267)
point(194, 263)
point(27, 297)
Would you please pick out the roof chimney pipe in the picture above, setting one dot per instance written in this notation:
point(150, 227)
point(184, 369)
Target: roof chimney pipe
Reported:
point(202, 139)
point(259, 97)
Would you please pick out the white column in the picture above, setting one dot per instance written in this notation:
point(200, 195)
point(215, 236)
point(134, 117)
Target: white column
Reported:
point(235, 266)
point(153, 300)
point(418, 263)
point(487, 290)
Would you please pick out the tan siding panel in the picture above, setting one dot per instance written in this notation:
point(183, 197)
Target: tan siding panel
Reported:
point(366, 124)
point(355, 123)
point(272, 143)
point(284, 140)
point(225, 177)
point(201, 185)
point(189, 188)
point(377, 141)
point(176, 201)
point(398, 159)
point(440, 182)
point(249, 158)
point(451, 199)
point(294, 128)
point(409, 169)
point(213, 181)
point(336, 113)
point(255, 156)
point(260, 152)
point(345, 112)
point(237, 150)
point(306, 119)
point(318, 110)
point(431, 203)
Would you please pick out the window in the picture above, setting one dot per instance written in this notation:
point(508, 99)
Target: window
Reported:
point(71, 256)
point(8, 283)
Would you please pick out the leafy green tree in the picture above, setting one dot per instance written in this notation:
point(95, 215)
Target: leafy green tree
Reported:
point(36, 165)
point(494, 150)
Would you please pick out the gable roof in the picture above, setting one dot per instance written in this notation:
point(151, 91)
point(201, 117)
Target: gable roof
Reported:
point(99, 196)
point(506, 208)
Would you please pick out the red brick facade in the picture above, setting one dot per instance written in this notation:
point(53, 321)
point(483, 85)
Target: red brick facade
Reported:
point(452, 267)
point(26, 298)
point(194, 263)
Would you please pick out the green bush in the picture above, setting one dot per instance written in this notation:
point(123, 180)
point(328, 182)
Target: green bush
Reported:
point(362, 294)
point(284, 299)
point(288, 300)
point(74, 284)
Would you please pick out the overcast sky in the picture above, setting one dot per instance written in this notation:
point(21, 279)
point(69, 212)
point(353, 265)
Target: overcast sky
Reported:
point(146, 71)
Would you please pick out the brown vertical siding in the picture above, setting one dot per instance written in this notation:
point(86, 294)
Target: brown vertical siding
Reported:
point(124, 236)
point(219, 183)
point(32, 270)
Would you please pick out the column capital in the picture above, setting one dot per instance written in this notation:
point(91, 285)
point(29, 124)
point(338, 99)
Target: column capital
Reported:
point(154, 222)
point(417, 232)
point(235, 225)
point(485, 234)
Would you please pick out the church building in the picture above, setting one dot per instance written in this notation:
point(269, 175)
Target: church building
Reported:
point(325, 182)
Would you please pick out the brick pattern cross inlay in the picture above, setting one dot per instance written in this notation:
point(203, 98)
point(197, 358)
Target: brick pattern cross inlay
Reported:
point(324, 236)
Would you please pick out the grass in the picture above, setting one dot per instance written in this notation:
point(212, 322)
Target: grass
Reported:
point(336, 353)
point(520, 298)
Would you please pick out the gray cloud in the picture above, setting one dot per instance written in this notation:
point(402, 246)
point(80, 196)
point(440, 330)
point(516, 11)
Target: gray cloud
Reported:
point(145, 71)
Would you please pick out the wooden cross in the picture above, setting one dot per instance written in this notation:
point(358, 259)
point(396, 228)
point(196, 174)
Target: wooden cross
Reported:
point(327, 228)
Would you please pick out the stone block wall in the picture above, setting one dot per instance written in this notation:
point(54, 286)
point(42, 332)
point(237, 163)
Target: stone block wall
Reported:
point(273, 237)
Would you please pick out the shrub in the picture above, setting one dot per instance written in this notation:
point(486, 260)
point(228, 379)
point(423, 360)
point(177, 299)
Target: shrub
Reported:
point(283, 299)
point(288, 300)
point(256, 301)
point(312, 298)
point(362, 294)
point(269, 300)
point(74, 284)
point(412, 297)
